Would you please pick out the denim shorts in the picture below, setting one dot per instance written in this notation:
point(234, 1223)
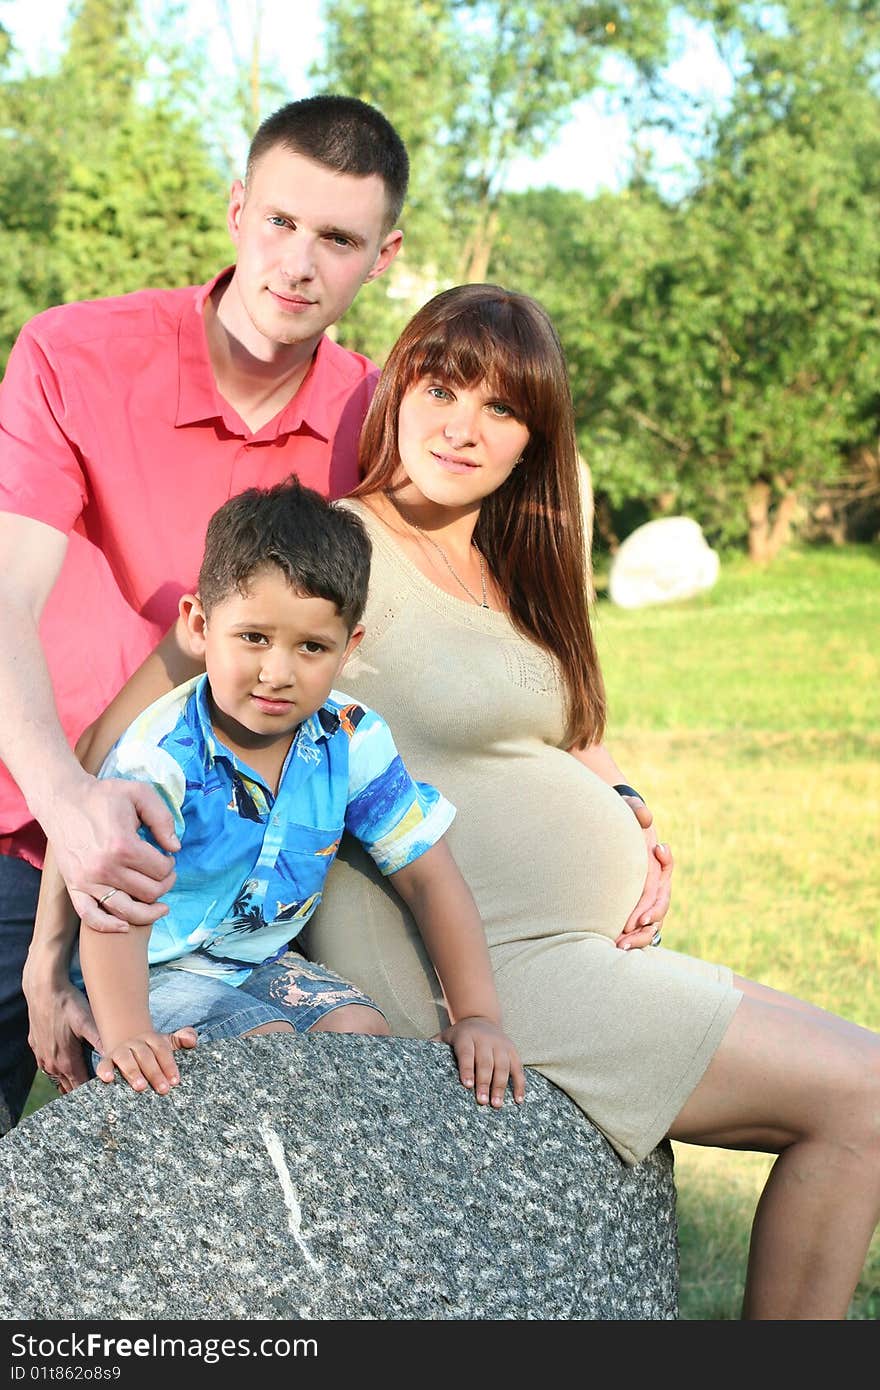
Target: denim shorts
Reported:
point(288, 990)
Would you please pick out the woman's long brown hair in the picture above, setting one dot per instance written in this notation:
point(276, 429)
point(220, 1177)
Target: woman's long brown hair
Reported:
point(531, 530)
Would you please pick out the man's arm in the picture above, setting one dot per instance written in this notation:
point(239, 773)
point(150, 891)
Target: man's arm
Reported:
point(92, 826)
point(445, 912)
point(59, 1015)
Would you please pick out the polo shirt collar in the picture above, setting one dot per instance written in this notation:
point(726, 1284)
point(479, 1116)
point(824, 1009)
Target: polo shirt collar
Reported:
point(314, 408)
point(323, 724)
point(310, 410)
point(202, 721)
point(197, 394)
point(320, 726)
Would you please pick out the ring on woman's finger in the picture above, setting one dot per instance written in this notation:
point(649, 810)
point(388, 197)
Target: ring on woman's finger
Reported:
point(56, 1081)
point(656, 939)
point(107, 896)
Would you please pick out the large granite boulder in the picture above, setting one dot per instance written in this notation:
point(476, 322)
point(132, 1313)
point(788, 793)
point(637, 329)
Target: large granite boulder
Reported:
point(662, 561)
point(328, 1177)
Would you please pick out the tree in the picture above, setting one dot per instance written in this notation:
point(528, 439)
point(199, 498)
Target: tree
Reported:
point(471, 85)
point(601, 268)
point(724, 349)
point(106, 184)
point(786, 240)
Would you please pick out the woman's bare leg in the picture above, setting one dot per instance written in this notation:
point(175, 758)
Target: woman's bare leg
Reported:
point(791, 1079)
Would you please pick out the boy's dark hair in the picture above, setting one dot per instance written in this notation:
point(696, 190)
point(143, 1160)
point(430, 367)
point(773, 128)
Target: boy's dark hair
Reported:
point(323, 551)
point(344, 134)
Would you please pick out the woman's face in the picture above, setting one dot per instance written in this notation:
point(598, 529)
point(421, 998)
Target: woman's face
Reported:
point(457, 444)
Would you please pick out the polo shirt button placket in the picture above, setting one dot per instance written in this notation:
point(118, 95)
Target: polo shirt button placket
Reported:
point(245, 467)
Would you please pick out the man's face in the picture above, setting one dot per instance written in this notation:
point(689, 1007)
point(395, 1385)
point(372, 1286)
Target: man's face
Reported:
point(307, 239)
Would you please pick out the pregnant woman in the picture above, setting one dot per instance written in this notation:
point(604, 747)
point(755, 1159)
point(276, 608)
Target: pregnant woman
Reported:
point(478, 651)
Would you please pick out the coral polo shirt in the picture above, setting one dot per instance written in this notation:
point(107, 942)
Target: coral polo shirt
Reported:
point(112, 430)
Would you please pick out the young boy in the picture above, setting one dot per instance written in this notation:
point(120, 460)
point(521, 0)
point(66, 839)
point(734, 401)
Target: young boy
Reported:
point(264, 765)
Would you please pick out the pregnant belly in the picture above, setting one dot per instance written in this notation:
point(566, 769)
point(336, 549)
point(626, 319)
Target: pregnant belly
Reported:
point(547, 847)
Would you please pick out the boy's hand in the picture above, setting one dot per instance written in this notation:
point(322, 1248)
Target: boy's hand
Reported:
point(147, 1059)
point(486, 1058)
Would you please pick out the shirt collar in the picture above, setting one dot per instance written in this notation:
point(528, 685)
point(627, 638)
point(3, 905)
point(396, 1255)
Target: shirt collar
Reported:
point(309, 411)
point(197, 394)
point(201, 720)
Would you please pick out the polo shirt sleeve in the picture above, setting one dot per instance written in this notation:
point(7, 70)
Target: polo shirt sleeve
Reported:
point(132, 760)
point(395, 818)
point(40, 473)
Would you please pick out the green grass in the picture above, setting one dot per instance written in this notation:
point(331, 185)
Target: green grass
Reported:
point(750, 719)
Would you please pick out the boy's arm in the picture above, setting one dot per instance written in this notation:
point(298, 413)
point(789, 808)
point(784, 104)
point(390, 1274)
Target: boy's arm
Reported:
point(445, 912)
point(116, 973)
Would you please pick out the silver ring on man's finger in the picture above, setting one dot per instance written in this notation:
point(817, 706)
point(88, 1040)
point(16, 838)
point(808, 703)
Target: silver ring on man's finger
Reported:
point(656, 939)
point(107, 896)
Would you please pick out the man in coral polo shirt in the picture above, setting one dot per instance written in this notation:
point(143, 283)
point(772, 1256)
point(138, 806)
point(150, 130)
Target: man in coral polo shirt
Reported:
point(124, 424)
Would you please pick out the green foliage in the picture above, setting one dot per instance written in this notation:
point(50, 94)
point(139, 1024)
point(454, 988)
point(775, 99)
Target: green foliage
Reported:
point(106, 184)
point(732, 339)
point(150, 214)
point(470, 86)
point(723, 346)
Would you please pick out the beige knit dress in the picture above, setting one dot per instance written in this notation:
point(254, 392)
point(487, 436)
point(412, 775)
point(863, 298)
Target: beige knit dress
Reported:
point(554, 857)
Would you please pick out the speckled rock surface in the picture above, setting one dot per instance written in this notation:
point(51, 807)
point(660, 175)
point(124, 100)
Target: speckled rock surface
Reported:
point(328, 1177)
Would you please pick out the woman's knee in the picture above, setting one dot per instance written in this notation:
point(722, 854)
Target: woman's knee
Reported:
point(352, 1018)
point(860, 1093)
point(781, 1075)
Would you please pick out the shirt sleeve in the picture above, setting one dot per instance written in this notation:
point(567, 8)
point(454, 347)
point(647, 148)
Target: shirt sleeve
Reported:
point(395, 818)
point(40, 473)
point(134, 761)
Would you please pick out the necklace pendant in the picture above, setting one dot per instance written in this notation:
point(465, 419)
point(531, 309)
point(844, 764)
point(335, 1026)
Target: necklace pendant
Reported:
point(483, 601)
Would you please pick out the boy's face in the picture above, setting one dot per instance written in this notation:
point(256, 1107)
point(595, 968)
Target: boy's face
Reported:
point(272, 657)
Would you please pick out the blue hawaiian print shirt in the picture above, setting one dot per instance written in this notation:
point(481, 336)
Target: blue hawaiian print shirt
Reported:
point(251, 867)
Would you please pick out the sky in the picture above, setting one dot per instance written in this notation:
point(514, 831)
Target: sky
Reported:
point(593, 151)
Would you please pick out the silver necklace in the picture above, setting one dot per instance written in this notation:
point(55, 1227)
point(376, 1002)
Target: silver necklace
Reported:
point(448, 563)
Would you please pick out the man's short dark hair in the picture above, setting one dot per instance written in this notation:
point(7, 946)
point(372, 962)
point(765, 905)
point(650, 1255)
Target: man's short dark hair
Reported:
point(323, 551)
point(344, 134)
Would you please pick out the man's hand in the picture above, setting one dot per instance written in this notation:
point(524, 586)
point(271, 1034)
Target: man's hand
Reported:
point(60, 1018)
point(147, 1059)
point(486, 1058)
point(93, 831)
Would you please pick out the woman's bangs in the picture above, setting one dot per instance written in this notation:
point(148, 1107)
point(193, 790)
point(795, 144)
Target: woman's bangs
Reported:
point(464, 354)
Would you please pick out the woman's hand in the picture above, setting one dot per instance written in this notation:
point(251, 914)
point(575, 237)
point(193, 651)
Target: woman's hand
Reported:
point(147, 1059)
point(643, 924)
point(486, 1058)
point(642, 927)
